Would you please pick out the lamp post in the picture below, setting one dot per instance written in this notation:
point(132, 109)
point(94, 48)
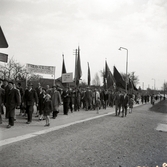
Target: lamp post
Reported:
point(154, 83)
point(126, 83)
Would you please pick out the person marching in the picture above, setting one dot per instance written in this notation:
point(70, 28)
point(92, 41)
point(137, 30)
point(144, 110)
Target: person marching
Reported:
point(125, 105)
point(5, 86)
point(77, 99)
point(131, 103)
point(41, 98)
point(66, 101)
point(56, 101)
point(97, 100)
point(48, 108)
point(12, 101)
point(117, 103)
point(2, 96)
point(30, 98)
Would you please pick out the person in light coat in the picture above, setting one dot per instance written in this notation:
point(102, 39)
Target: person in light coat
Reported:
point(56, 101)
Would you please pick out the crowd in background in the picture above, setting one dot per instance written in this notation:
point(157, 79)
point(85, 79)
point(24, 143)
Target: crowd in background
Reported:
point(46, 101)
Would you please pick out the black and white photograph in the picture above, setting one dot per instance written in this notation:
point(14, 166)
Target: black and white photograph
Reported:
point(83, 83)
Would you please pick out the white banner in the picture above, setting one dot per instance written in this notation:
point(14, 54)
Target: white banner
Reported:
point(41, 69)
point(67, 77)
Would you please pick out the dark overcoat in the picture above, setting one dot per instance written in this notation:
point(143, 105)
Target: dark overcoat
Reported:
point(12, 101)
point(30, 97)
point(2, 96)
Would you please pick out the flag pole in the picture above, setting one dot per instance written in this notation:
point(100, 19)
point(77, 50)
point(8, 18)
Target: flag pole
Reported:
point(75, 67)
point(26, 76)
point(54, 76)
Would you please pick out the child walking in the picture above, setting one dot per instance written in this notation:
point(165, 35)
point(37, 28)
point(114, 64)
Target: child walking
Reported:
point(131, 103)
point(98, 105)
point(47, 109)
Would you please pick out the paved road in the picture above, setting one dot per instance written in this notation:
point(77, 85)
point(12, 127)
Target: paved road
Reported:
point(106, 141)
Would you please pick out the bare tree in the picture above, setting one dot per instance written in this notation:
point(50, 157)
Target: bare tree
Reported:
point(15, 71)
point(132, 77)
point(96, 80)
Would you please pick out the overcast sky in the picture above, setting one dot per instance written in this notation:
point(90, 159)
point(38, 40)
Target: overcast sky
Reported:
point(40, 31)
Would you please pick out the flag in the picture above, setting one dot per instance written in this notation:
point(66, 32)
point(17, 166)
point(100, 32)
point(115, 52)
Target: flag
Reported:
point(118, 79)
point(79, 65)
point(78, 71)
point(89, 77)
point(134, 87)
point(130, 84)
point(3, 57)
point(109, 77)
point(63, 66)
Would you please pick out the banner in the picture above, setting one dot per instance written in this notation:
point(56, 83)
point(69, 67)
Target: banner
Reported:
point(41, 69)
point(67, 77)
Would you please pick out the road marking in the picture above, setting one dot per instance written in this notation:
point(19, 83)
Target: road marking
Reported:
point(162, 127)
point(34, 134)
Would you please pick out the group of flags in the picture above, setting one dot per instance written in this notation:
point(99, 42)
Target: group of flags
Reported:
point(110, 80)
point(78, 70)
point(116, 80)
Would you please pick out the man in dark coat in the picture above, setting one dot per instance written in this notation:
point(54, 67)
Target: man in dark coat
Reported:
point(12, 101)
point(30, 98)
point(66, 101)
point(118, 102)
point(21, 94)
point(77, 98)
point(2, 95)
point(37, 89)
point(88, 99)
point(125, 105)
point(5, 86)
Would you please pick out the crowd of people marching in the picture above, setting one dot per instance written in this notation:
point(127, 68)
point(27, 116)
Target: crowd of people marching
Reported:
point(48, 101)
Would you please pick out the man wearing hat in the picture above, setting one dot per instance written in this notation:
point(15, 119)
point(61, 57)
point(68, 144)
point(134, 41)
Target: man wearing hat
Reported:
point(12, 101)
point(30, 98)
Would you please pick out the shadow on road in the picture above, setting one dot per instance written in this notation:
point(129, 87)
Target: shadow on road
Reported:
point(160, 107)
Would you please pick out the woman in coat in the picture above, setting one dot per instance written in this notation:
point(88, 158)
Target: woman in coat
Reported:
point(56, 101)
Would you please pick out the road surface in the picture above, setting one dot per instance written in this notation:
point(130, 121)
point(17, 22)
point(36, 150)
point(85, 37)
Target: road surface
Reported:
point(110, 141)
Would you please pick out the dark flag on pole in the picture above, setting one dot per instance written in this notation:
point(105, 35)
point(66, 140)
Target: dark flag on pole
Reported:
point(134, 87)
point(118, 79)
point(79, 65)
point(78, 71)
point(109, 77)
point(89, 77)
point(63, 66)
point(131, 85)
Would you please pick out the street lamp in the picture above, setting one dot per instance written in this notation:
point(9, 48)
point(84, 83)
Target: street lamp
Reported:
point(126, 83)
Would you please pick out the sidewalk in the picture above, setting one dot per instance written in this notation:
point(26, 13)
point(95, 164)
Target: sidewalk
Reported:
point(21, 130)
